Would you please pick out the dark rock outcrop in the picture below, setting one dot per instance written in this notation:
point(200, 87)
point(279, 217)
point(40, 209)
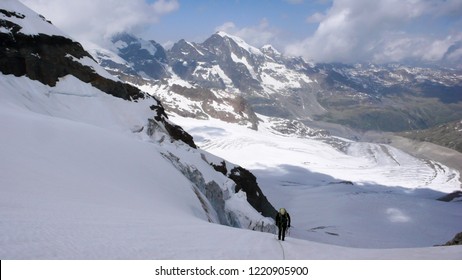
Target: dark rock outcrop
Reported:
point(177, 133)
point(457, 240)
point(47, 58)
point(220, 168)
point(450, 197)
point(247, 182)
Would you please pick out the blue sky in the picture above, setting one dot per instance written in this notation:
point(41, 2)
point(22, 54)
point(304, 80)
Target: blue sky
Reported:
point(197, 20)
point(428, 31)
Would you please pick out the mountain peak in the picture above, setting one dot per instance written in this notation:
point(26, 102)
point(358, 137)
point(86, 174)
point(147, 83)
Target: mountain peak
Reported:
point(269, 47)
point(222, 34)
point(147, 57)
point(121, 40)
point(240, 42)
point(270, 50)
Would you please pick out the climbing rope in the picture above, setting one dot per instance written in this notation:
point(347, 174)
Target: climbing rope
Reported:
point(282, 248)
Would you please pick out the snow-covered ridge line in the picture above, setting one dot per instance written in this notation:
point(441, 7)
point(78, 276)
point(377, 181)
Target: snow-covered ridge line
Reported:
point(30, 22)
point(251, 49)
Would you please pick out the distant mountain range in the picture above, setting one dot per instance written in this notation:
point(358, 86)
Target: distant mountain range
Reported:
point(247, 79)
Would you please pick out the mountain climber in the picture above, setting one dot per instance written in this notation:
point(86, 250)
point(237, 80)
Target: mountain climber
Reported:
point(282, 222)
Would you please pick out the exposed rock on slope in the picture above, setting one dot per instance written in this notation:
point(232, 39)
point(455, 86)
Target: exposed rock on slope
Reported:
point(47, 55)
point(47, 58)
point(247, 182)
point(457, 240)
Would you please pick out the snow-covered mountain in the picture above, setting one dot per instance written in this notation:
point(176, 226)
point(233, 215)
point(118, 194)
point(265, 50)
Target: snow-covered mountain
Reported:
point(92, 168)
point(363, 96)
point(225, 67)
point(134, 56)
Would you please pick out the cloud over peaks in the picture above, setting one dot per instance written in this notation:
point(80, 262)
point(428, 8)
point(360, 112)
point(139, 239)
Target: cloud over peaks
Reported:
point(378, 31)
point(94, 21)
point(257, 35)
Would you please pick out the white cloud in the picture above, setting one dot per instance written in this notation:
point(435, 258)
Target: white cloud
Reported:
point(257, 36)
point(228, 27)
point(316, 18)
point(349, 31)
point(378, 31)
point(94, 21)
point(165, 6)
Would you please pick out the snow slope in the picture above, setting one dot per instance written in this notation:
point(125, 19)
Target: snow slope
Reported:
point(341, 192)
point(74, 189)
point(35, 23)
point(78, 182)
